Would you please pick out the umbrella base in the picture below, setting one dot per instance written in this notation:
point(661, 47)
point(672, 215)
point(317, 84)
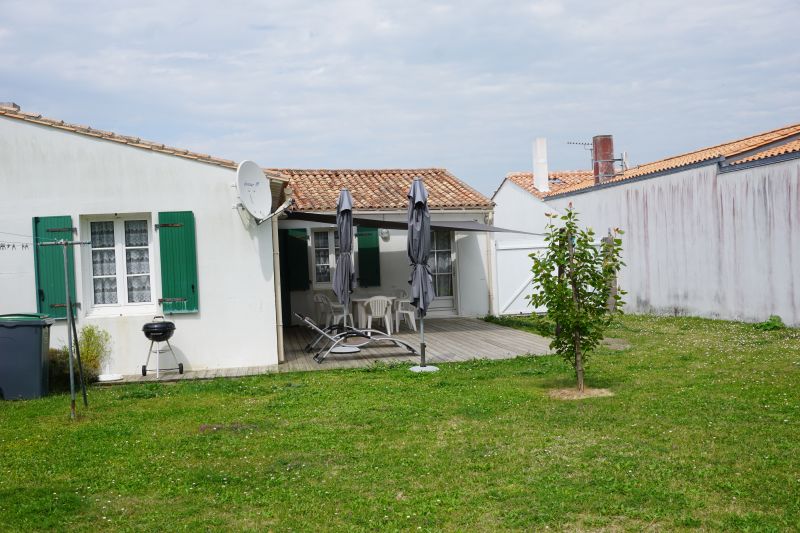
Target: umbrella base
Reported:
point(426, 368)
point(346, 349)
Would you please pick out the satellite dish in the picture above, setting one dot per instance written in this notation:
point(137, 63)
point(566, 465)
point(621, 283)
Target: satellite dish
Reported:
point(254, 191)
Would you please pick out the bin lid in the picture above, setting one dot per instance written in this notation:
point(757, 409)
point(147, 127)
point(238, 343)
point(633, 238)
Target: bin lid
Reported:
point(25, 319)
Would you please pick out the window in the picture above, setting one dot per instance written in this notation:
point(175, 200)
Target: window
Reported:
point(121, 262)
point(326, 248)
point(441, 263)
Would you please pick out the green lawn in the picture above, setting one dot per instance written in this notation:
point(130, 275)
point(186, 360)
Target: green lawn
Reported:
point(703, 433)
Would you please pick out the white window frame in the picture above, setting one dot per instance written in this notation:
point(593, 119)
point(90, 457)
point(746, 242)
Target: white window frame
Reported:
point(122, 307)
point(331, 257)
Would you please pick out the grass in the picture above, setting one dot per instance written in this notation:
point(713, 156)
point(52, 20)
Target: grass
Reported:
point(701, 434)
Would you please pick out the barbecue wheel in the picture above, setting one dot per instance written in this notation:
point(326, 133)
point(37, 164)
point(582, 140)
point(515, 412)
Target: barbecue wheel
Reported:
point(180, 368)
point(144, 370)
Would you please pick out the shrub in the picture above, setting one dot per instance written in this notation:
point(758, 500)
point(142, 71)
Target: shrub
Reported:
point(59, 369)
point(773, 323)
point(536, 323)
point(95, 346)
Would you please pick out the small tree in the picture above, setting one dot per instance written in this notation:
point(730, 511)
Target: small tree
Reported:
point(576, 280)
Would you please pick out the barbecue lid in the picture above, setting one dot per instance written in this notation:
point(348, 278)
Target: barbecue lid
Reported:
point(159, 326)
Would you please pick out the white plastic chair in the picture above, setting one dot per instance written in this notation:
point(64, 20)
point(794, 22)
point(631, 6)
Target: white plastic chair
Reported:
point(380, 308)
point(333, 313)
point(404, 309)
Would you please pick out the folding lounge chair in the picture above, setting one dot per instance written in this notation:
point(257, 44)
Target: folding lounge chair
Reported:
point(335, 336)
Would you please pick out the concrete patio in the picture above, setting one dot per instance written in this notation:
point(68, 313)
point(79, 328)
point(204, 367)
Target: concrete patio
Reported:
point(448, 340)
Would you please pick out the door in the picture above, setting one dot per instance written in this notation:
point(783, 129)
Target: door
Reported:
point(286, 300)
point(441, 265)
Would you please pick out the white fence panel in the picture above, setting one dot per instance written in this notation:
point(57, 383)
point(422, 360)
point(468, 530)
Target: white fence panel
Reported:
point(514, 276)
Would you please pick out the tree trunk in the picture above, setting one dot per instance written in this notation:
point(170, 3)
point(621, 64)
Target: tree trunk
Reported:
point(560, 280)
point(576, 336)
point(578, 361)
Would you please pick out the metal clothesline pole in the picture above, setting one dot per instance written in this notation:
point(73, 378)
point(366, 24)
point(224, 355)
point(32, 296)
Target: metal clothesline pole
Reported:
point(70, 325)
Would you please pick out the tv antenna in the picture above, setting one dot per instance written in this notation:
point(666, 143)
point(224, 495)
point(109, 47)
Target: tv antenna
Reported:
point(586, 146)
point(623, 159)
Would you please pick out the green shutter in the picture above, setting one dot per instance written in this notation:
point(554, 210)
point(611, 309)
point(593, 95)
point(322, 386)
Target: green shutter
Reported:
point(49, 265)
point(297, 250)
point(178, 247)
point(369, 264)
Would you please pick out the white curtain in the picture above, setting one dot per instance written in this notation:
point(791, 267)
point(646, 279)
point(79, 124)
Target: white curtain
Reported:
point(137, 261)
point(104, 263)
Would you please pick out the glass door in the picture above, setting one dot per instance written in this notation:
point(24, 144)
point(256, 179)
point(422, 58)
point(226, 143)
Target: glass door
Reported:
point(441, 265)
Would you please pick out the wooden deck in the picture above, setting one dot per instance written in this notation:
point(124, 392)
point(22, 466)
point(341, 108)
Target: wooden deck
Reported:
point(447, 339)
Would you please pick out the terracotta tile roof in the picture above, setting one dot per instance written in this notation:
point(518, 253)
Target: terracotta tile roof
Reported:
point(317, 190)
point(749, 146)
point(13, 112)
point(783, 149)
point(559, 181)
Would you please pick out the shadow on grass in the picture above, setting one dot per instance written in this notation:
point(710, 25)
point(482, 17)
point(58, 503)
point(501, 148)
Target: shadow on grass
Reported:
point(45, 508)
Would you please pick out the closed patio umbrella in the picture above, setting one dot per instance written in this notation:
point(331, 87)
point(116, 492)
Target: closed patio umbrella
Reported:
point(343, 280)
point(419, 249)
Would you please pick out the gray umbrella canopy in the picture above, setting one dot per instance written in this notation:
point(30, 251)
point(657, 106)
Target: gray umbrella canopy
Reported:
point(419, 247)
point(343, 280)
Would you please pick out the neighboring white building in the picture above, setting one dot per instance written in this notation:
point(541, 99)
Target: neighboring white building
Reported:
point(519, 205)
point(714, 232)
point(162, 227)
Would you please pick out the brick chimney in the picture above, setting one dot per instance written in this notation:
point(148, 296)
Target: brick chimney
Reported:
point(603, 158)
point(9, 105)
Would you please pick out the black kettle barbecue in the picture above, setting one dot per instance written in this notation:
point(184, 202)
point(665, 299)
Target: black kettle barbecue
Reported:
point(159, 331)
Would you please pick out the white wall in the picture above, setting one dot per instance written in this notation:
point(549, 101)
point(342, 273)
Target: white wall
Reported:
point(705, 243)
point(471, 260)
point(46, 172)
point(516, 208)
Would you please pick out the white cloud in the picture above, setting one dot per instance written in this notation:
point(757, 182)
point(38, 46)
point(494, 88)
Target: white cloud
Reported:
point(353, 83)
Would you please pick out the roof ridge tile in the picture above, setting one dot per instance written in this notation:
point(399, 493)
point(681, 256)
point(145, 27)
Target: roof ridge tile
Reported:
point(136, 142)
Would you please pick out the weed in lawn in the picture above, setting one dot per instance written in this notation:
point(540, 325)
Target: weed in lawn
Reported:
point(773, 323)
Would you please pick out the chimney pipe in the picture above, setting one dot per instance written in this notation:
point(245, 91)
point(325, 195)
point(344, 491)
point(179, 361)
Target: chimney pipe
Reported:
point(541, 173)
point(603, 158)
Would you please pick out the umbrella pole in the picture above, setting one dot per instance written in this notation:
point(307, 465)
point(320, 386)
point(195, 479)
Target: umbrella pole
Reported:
point(423, 366)
point(422, 341)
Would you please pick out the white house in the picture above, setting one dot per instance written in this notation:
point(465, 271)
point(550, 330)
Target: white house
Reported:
point(164, 237)
point(460, 259)
point(714, 232)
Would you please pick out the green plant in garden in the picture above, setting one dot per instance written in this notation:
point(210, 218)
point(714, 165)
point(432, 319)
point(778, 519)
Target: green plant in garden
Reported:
point(773, 323)
point(576, 281)
point(95, 346)
point(534, 323)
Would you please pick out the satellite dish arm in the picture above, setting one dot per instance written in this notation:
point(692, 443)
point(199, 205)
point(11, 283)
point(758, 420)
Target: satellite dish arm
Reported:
point(278, 211)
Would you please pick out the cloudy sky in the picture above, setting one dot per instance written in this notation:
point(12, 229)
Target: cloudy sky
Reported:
point(463, 85)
